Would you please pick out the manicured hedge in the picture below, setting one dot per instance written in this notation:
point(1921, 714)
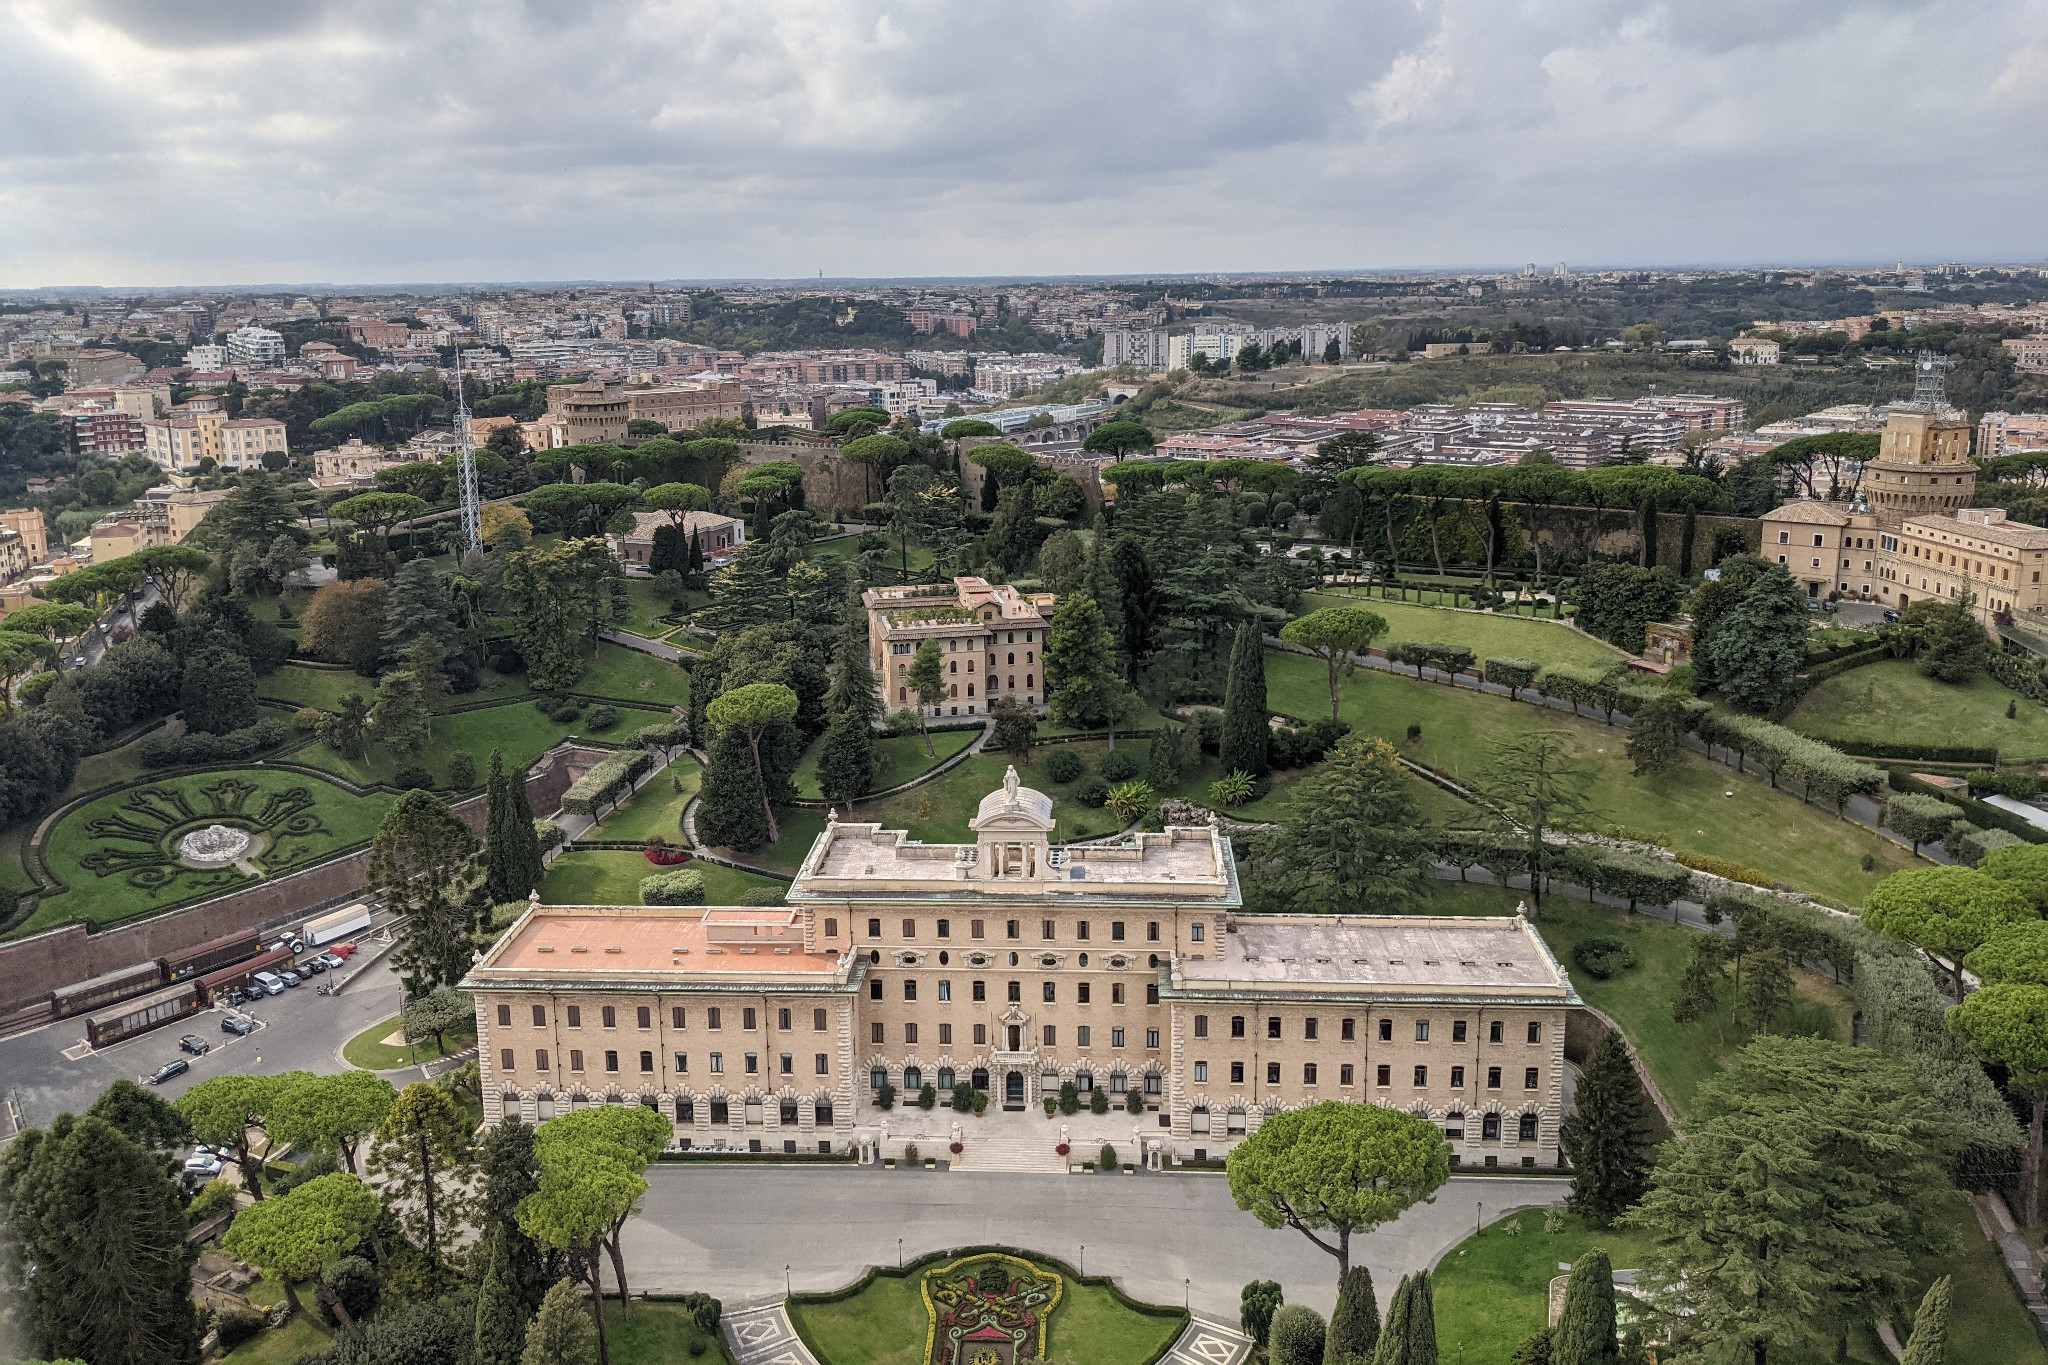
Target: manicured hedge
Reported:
point(1987, 816)
point(672, 888)
point(1821, 769)
point(1924, 753)
point(602, 781)
point(549, 833)
point(1511, 673)
point(666, 735)
point(174, 751)
point(1968, 844)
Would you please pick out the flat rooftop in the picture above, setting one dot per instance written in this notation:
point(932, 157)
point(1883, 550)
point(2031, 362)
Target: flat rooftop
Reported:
point(867, 860)
point(1407, 954)
point(653, 940)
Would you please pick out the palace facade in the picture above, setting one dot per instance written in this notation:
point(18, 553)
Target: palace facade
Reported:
point(1016, 965)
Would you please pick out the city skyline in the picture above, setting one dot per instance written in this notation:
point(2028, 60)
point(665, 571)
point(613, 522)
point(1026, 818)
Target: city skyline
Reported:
point(642, 141)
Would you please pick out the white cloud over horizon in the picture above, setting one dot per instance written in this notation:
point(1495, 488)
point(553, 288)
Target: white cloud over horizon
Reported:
point(242, 141)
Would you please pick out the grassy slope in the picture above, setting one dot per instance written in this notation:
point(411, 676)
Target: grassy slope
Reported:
point(1891, 703)
point(1800, 845)
point(325, 687)
point(369, 1051)
point(631, 675)
point(596, 877)
point(648, 609)
point(347, 819)
point(902, 759)
point(658, 1334)
point(1486, 635)
point(519, 730)
point(657, 809)
point(884, 1324)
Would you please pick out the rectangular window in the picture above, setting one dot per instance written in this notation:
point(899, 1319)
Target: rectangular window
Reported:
point(1201, 1026)
point(980, 1035)
point(611, 1017)
point(575, 1059)
point(820, 1064)
point(1116, 931)
point(1529, 1075)
point(505, 1061)
point(1046, 930)
point(1197, 932)
point(1386, 1030)
point(831, 927)
point(945, 928)
point(817, 1021)
point(611, 1061)
point(1344, 1074)
point(540, 1059)
point(1083, 1036)
point(1080, 930)
point(874, 928)
point(647, 1063)
point(712, 1018)
point(753, 1063)
point(1116, 1037)
point(909, 988)
point(504, 1016)
point(676, 1016)
point(945, 991)
point(980, 991)
point(1237, 1026)
point(910, 928)
point(1347, 1030)
point(540, 1016)
point(1457, 1078)
point(1081, 993)
point(1309, 1028)
point(910, 1033)
point(575, 1016)
point(1237, 1073)
point(1116, 992)
point(875, 988)
point(1308, 1073)
point(1383, 1077)
point(1457, 1030)
point(1049, 991)
point(1421, 1076)
point(1273, 1026)
point(1013, 929)
point(1201, 1072)
point(1493, 1078)
point(875, 1031)
point(1496, 1032)
point(718, 1063)
point(1535, 1033)
point(1152, 994)
point(1051, 1036)
point(1422, 1030)
point(782, 1020)
point(974, 929)
point(786, 1064)
point(643, 1016)
point(1272, 1073)
point(1152, 931)
point(1151, 1037)
point(945, 1034)
point(682, 1062)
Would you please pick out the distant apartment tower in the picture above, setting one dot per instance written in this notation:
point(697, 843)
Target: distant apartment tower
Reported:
point(255, 348)
point(2028, 353)
point(208, 357)
point(2010, 433)
point(27, 522)
point(1147, 350)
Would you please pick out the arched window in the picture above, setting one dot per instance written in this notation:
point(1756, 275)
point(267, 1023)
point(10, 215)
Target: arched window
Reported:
point(903, 694)
point(980, 1078)
point(945, 1078)
point(1084, 1081)
point(878, 1078)
point(913, 1079)
point(1233, 1122)
point(1154, 1083)
point(1119, 1083)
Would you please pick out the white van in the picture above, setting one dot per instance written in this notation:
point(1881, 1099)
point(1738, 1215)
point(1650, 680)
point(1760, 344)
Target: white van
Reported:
point(272, 985)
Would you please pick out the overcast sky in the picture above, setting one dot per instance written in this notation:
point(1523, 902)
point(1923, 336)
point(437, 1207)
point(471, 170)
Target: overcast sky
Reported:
point(379, 141)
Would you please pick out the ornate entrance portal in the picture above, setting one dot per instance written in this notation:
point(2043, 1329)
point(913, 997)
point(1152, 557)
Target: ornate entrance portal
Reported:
point(1013, 1090)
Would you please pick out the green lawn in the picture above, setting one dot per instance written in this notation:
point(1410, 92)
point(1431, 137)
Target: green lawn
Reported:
point(369, 1051)
point(902, 759)
point(1803, 846)
point(1492, 1291)
point(1890, 702)
point(517, 729)
point(648, 610)
point(800, 827)
point(658, 1334)
point(938, 811)
point(848, 547)
point(325, 687)
point(152, 825)
point(657, 808)
point(1520, 637)
point(1988, 1320)
point(1680, 1056)
point(303, 1335)
point(631, 675)
point(604, 877)
point(885, 1324)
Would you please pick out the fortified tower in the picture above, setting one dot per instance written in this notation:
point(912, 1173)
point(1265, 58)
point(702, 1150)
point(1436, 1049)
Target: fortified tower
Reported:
point(1923, 461)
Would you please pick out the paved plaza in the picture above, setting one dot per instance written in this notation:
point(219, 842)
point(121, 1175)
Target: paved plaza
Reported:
point(731, 1230)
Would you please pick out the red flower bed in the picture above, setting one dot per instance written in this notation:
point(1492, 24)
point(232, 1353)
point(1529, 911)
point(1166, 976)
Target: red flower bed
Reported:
point(666, 857)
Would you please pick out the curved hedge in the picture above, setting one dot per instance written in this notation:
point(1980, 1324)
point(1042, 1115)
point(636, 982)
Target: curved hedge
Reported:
point(172, 751)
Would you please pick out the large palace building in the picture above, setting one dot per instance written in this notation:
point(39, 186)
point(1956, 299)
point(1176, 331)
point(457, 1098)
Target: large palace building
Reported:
point(1016, 965)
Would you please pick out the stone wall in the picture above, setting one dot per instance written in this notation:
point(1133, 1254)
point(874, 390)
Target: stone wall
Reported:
point(32, 967)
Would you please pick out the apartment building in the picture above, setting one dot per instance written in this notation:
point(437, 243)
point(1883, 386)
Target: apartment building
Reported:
point(685, 407)
point(28, 523)
point(1698, 411)
point(180, 441)
point(2010, 433)
point(384, 336)
point(992, 634)
point(825, 367)
point(2028, 353)
point(1753, 351)
point(1016, 966)
point(255, 348)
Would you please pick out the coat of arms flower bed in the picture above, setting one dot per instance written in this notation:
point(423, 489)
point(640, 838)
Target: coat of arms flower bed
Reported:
point(988, 1310)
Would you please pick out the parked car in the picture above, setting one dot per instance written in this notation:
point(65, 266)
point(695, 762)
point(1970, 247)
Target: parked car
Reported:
point(177, 1066)
point(314, 965)
point(290, 978)
point(203, 1164)
point(341, 950)
point(1890, 616)
point(333, 963)
point(237, 1025)
point(195, 1045)
point(271, 984)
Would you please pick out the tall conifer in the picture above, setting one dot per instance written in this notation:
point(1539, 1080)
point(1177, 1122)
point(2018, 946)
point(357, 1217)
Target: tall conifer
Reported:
point(1355, 1324)
point(1585, 1330)
point(511, 849)
point(1609, 1138)
point(1243, 746)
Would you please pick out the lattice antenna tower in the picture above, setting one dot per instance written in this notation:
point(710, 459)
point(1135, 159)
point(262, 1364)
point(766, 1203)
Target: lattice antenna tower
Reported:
point(465, 468)
point(1930, 381)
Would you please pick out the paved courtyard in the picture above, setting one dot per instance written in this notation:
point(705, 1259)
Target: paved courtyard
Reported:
point(730, 1230)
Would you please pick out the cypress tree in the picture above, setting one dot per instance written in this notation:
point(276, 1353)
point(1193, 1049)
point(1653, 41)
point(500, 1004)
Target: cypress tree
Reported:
point(511, 1172)
point(1409, 1337)
point(695, 563)
point(1585, 1330)
point(562, 1332)
point(1355, 1323)
point(1243, 746)
point(1685, 539)
point(1103, 581)
point(1609, 1138)
point(511, 849)
point(732, 813)
point(847, 759)
point(854, 687)
point(500, 1334)
point(1929, 1343)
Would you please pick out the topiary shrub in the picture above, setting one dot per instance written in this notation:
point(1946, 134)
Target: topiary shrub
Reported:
point(601, 718)
point(1118, 766)
point(307, 718)
point(963, 1099)
point(928, 1097)
point(1070, 1099)
point(704, 1311)
point(1602, 957)
point(1098, 1101)
point(413, 778)
point(1299, 1335)
point(1092, 791)
point(885, 1096)
point(461, 772)
point(1108, 1158)
point(673, 888)
point(763, 896)
point(1063, 766)
point(1134, 1102)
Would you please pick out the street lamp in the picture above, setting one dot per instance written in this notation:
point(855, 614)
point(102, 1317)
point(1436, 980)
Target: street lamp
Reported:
point(1188, 1296)
point(1084, 1260)
point(1479, 1218)
point(786, 1289)
point(899, 1253)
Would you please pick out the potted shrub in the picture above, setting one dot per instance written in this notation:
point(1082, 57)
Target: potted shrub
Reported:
point(910, 1154)
point(956, 1148)
point(1062, 1150)
point(1134, 1102)
point(980, 1102)
point(1098, 1101)
point(928, 1097)
point(1052, 1105)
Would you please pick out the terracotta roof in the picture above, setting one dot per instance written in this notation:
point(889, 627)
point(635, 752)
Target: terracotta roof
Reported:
point(1810, 512)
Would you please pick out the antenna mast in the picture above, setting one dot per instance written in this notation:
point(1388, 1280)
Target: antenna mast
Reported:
point(472, 511)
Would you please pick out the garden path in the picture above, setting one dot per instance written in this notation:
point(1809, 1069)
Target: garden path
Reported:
point(763, 1336)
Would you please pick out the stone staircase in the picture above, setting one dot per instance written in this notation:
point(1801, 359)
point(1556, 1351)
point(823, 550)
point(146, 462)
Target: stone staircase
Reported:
point(996, 1150)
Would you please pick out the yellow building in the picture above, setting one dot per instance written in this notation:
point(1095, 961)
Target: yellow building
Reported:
point(992, 634)
point(1016, 966)
point(1923, 465)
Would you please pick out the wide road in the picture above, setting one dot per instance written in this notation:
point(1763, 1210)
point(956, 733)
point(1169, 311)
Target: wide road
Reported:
point(49, 1070)
point(729, 1230)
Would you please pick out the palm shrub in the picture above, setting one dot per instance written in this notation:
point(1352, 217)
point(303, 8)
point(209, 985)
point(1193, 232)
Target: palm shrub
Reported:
point(1233, 789)
point(1131, 800)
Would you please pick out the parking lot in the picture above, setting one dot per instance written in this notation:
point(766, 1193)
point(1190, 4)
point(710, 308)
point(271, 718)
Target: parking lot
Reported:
point(51, 1070)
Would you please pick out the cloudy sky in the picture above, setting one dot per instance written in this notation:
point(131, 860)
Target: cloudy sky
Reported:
point(379, 141)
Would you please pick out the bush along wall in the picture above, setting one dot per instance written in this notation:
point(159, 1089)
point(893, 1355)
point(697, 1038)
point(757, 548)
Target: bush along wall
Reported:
point(603, 782)
point(1977, 812)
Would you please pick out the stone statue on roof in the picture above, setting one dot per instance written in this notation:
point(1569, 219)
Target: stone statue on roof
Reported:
point(1010, 784)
